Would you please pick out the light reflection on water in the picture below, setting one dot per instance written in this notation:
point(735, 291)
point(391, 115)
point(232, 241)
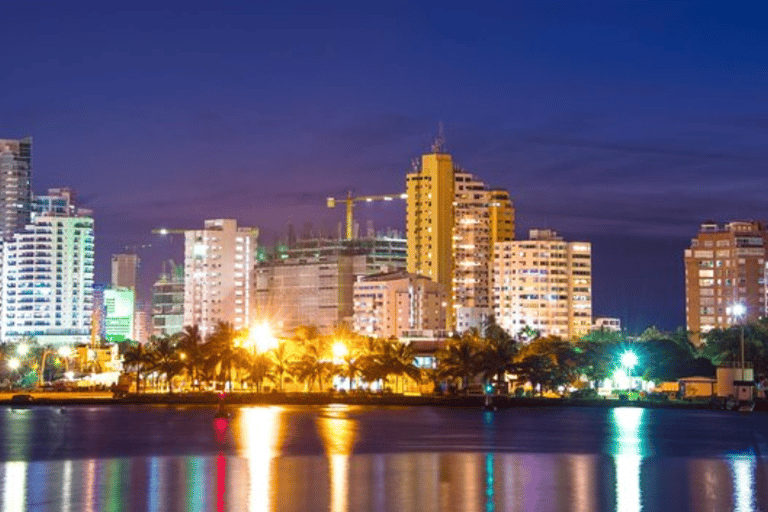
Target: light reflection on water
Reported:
point(259, 475)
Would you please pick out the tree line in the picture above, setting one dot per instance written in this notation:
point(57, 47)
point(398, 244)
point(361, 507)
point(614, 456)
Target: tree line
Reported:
point(486, 357)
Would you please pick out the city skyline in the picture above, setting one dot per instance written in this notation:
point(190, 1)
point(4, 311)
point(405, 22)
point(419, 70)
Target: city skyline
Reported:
point(604, 123)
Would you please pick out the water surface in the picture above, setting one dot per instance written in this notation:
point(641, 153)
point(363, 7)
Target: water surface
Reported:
point(340, 458)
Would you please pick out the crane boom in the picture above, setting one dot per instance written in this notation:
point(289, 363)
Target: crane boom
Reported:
point(166, 231)
point(350, 202)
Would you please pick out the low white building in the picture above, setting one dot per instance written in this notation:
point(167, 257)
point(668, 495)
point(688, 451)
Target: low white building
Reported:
point(396, 303)
point(607, 324)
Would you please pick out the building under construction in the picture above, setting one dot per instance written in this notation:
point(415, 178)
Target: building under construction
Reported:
point(310, 282)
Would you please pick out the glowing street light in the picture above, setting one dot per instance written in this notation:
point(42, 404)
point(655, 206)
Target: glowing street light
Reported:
point(738, 311)
point(22, 349)
point(629, 359)
point(340, 350)
point(14, 364)
point(65, 351)
point(261, 338)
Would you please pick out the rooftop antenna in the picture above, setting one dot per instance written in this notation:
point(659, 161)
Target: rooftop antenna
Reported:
point(438, 146)
point(415, 164)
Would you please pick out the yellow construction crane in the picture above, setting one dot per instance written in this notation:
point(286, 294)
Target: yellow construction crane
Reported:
point(351, 202)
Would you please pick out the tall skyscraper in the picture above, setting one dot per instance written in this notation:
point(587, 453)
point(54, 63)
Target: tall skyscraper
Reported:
point(453, 219)
point(48, 274)
point(15, 189)
point(482, 218)
point(725, 266)
point(430, 217)
point(218, 272)
point(125, 269)
point(543, 284)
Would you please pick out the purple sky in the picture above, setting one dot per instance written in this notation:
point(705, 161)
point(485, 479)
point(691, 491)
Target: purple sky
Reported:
point(622, 124)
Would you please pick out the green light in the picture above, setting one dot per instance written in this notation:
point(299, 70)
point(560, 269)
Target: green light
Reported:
point(628, 359)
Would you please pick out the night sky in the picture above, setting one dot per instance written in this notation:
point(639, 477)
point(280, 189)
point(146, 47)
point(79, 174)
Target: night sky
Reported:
point(625, 125)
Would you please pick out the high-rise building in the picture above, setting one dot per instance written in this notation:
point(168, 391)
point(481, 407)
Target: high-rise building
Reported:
point(98, 315)
point(482, 218)
point(430, 218)
point(142, 329)
point(725, 266)
point(168, 301)
point(543, 284)
point(312, 283)
point(218, 269)
point(453, 219)
point(120, 305)
point(125, 270)
point(15, 189)
point(397, 304)
point(47, 274)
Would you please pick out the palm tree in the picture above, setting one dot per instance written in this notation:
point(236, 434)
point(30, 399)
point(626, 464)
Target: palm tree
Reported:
point(311, 368)
point(399, 359)
point(497, 355)
point(167, 359)
point(140, 359)
point(282, 356)
point(190, 344)
point(223, 355)
point(460, 358)
point(260, 368)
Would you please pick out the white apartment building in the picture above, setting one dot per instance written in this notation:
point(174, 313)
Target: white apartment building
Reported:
point(218, 263)
point(398, 303)
point(543, 284)
point(47, 274)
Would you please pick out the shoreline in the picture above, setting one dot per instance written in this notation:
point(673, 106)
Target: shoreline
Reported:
point(322, 399)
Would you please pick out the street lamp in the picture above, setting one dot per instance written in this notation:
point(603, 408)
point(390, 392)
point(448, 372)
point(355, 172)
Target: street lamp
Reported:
point(22, 349)
point(340, 350)
point(738, 311)
point(261, 338)
point(14, 364)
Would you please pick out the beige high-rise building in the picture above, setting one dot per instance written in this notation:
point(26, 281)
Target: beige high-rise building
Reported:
point(312, 284)
point(125, 268)
point(544, 284)
point(482, 218)
point(398, 304)
point(453, 220)
point(725, 266)
point(218, 272)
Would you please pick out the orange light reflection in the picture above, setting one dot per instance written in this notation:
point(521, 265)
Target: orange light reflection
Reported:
point(337, 431)
point(259, 436)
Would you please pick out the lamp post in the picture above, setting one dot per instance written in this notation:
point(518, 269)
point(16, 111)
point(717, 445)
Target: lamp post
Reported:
point(738, 310)
point(628, 361)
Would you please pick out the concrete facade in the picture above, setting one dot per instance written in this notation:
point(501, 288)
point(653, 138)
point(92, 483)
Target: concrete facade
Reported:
point(395, 303)
point(218, 263)
point(543, 284)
